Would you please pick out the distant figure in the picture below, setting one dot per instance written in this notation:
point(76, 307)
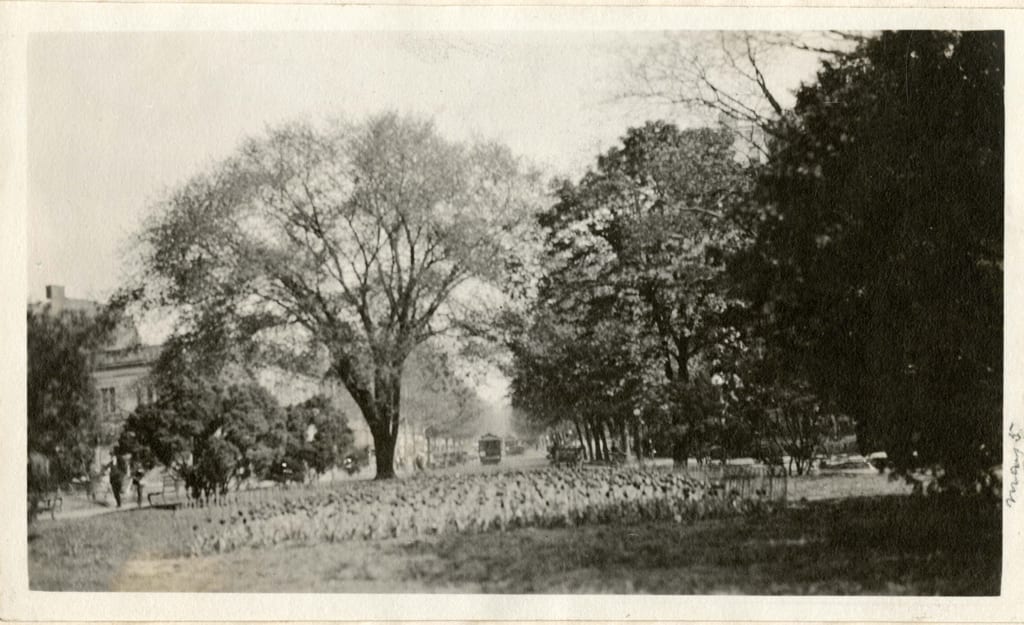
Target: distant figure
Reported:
point(39, 481)
point(617, 456)
point(117, 473)
point(137, 485)
point(419, 462)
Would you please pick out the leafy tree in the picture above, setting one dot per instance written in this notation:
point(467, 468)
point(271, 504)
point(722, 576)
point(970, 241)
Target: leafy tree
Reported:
point(879, 263)
point(63, 419)
point(340, 250)
point(216, 461)
point(784, 414)
point(641, 241)
point(584, 377)
point(204, 428)
point(318, 435)
point(153, 436)
point(251, 422)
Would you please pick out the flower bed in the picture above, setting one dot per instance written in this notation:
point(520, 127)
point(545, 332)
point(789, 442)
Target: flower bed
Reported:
point(473, 503)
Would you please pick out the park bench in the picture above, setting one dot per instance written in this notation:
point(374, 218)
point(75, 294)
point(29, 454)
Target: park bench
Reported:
point(168, 497)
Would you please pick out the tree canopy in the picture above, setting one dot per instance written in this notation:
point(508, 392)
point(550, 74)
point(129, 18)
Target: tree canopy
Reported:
point(633, 306)
point(879, 264)
point(681, 291)
point(318, 436)
point(206, 429)
point(63, 416)
point(339, 250)
point(854, 271)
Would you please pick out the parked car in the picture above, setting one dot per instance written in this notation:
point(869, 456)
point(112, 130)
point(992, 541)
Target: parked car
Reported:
point(879, 460)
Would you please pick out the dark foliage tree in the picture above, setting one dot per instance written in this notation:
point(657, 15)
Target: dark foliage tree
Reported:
point(781, 413)
point(205, 428)
point(251, 422)
point(63, 413)
point(340, 250)
point(879, 265)
point(318, 436)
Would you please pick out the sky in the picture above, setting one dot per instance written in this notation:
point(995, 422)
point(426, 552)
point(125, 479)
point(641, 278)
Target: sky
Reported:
point(116, 120)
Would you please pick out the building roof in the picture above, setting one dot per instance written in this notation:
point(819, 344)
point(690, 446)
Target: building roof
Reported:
point(124, 345)
point(137, 355)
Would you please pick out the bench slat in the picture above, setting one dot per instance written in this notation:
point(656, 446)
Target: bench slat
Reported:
point(168, 495)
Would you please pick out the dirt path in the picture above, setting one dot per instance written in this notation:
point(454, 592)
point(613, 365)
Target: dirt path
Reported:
point(177, 575)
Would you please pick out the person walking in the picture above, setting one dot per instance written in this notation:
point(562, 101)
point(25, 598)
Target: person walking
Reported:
point(137, 485)
point(117, 473)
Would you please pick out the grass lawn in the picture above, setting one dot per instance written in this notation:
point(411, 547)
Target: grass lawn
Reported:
point(863, 545)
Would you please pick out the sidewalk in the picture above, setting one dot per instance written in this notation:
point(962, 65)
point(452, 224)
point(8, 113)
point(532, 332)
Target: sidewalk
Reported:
point(78, 506)
point(81, 513)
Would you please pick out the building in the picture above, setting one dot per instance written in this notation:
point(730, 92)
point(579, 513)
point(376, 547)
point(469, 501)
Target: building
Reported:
point(122, 381)
point(122, 368)
point(122, 378)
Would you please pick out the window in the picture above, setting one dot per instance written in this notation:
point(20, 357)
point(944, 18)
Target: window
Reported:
point(145, 394)
point(108, 400)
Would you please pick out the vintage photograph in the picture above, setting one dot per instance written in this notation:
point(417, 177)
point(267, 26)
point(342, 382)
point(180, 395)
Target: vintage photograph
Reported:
point(629, 312)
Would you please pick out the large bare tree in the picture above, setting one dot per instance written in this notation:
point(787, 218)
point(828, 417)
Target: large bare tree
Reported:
point(337, 250)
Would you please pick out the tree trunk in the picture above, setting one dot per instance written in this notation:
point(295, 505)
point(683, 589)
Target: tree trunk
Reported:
point(379, 402)
point(383, 418)
point(579, 434)
point(384, 453)
point(592, 438)
point(680, 451)
point(604, 442)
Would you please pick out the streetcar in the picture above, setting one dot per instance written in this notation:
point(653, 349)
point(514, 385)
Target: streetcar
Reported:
point(490, 449)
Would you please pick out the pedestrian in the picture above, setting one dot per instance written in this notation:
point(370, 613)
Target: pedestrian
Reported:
point(137, 485)
point(117, 473)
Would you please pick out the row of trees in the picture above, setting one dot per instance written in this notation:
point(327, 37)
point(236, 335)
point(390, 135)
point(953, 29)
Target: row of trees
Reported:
point(674, 292)
point(634, 329)
point(212, 422)
point(851, 273)
point(202, 427)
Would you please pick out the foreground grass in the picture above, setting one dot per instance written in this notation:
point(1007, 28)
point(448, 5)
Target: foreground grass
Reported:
point(877, 545)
